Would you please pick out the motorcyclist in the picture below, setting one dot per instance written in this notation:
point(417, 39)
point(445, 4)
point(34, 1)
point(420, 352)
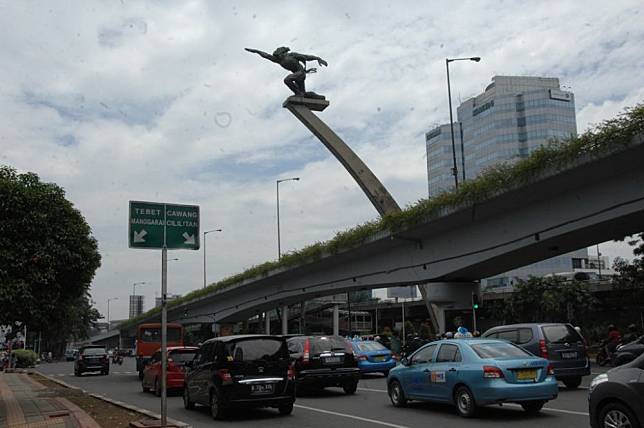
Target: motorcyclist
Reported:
point(614, 338)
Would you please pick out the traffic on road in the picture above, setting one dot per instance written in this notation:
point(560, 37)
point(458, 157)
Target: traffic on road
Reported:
point(248, 380)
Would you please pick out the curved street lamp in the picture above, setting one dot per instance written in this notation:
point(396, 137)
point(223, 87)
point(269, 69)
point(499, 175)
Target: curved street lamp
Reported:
point(451, 119)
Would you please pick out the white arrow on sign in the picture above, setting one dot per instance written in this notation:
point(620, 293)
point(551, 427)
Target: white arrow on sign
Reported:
point(138, 236)
point(189, 239)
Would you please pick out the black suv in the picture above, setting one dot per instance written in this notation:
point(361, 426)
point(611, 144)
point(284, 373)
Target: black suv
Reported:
point(91, 359)
point(322, 361)
point(557, 342)
point(246, 370)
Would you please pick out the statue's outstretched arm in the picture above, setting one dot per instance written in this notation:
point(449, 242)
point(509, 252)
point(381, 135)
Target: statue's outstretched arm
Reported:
point(304, 57)
point(262, 54)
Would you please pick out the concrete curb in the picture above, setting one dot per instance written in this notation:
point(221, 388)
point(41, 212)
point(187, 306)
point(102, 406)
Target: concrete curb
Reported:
point(117, 403)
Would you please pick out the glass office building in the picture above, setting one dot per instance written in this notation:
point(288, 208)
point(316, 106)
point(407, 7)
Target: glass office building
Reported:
point(510, 119)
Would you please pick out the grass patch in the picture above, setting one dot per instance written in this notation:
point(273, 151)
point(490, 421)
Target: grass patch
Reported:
point(610, 136)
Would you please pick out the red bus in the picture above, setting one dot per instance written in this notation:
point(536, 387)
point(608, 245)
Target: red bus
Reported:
point(148, 341)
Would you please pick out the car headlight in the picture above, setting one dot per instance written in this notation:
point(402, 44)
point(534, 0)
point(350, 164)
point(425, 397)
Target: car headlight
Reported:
point(597, 380)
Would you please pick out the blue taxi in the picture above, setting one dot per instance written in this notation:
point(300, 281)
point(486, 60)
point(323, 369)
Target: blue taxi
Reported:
point(373, 357)
point(473, 372)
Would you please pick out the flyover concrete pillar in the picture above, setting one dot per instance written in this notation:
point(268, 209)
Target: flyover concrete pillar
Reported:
point(336, 320)
point(449, 296)
point(284, 319)
point(267, 322)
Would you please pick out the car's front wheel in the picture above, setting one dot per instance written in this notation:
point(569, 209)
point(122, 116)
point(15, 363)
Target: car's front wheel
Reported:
point(617, 415)
point(532, 407)
point(464, 400)
point(396, 394)
point(157, 387)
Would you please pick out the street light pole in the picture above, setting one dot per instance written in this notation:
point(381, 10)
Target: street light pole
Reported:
point(277, 184)
point(451, 118)
point(599, 263)
point(204, 253)
point(108, 311)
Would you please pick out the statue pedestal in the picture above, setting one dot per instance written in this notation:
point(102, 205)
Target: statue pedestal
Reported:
point(310, 103)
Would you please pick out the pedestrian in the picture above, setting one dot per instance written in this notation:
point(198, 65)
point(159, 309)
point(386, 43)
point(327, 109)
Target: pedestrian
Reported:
point(396, 345)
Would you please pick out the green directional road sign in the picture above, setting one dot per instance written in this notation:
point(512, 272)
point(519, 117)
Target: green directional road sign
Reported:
point(153, 224)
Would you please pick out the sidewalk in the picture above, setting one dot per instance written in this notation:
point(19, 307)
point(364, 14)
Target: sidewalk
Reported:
point(25, 403)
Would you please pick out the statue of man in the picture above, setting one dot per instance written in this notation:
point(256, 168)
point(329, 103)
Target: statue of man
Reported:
point(295, 63)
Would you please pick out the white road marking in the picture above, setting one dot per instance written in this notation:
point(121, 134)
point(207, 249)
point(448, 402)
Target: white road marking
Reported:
point(344, 415)
point(571, 412)
point(550, 409)
point(372, 390)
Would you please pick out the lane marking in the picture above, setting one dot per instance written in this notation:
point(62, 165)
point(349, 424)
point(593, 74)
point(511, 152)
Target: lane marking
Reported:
point(344, 415)
point(372, 390)
point(571, 412)
point(550, 409)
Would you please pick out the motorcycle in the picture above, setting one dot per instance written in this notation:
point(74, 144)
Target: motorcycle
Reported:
point(606, 356)
point(117, 359)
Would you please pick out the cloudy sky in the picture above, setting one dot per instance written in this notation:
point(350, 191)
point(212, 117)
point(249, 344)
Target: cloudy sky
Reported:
point(124, 100)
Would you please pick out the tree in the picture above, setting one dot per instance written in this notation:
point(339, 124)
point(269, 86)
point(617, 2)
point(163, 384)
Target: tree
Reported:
point(549, 300)
point(629, 283)
point(47, 257)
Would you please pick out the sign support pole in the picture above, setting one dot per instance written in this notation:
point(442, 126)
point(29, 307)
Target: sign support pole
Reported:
point(164, 336)
point(474, 305)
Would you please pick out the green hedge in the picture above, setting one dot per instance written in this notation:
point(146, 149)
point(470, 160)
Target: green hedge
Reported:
point(611, 135)
point(24, 357)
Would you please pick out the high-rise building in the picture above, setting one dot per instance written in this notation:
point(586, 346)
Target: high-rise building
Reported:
point(513, 116)
point(136, 306)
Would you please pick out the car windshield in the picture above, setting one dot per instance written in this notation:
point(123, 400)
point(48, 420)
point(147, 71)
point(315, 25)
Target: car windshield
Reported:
point(183, 355)
point(560, 334)
point(153, 334)
point(256, 349)
point(499, 350)
point(94, 351)
point(369, 346)
point(327, 343)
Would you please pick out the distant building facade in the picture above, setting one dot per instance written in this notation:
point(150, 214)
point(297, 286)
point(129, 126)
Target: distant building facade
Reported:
point(136, 306)
point(514, 116)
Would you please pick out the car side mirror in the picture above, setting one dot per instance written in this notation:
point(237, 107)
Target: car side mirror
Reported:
point(405, 361)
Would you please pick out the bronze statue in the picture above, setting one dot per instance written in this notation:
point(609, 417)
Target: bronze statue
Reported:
point(295, 63)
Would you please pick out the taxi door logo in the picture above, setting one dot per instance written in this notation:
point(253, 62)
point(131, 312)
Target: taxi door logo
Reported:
point(437, 377)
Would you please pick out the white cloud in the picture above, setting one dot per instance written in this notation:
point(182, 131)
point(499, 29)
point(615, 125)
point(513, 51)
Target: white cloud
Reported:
point(159, 101)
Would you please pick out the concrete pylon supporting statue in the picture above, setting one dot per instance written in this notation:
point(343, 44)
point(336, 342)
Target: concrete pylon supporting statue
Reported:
point(302, 104)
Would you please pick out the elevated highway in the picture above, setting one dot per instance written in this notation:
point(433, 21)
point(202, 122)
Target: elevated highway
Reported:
point(589, 201)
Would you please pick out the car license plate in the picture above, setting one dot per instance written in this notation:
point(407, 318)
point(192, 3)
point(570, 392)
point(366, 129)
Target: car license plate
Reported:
point(261, 388)
point(568, 355)
point(529, 374)
point(379, 358)
point(333, 360)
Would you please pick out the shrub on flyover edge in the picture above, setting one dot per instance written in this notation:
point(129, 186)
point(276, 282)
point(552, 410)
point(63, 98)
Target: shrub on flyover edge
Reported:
point(610, 136)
